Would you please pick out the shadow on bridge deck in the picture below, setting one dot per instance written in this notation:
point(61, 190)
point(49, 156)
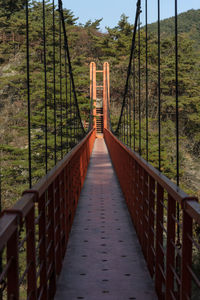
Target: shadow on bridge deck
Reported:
point(104, 259)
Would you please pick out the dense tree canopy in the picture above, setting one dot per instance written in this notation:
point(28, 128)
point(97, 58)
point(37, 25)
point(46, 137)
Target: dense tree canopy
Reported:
point(87, 43)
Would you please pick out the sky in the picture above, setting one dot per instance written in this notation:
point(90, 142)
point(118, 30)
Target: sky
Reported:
point(111, 10)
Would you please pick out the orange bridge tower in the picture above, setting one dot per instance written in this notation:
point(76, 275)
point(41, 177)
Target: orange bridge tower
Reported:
point(100, 96)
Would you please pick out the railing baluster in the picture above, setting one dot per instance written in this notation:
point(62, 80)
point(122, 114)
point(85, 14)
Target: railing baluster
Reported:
point(151, 227)
point(132, 201)
point(140, 204)
point(170, 259)
point(159, 268)
point(186, 257)
point(13, 271)
point(137, 197)
point(51, 239)
point(62, 213)
point(31, 255)
point(42, 248)
point(58, 251)
point(145, 213)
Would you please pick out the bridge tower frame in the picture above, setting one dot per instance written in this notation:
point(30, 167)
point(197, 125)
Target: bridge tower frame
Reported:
point(100, 105)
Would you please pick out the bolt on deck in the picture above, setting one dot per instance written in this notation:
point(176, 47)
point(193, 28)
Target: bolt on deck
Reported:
point(103, 259)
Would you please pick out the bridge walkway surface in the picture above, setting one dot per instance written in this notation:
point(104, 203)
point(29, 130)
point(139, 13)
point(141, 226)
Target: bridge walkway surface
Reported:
point(103, 258)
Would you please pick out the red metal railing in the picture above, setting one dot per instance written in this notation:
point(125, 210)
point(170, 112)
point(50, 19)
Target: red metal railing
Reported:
point(170, 245)
point(34, 233)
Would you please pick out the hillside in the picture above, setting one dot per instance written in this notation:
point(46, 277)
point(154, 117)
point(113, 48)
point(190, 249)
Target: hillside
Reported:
point(188, 23)
point(88, 44)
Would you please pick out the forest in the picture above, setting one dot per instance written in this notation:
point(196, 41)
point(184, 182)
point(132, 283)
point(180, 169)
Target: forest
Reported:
point(87, 43)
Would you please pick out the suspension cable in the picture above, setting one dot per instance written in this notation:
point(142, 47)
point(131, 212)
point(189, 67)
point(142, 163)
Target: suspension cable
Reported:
point(177, 116)
point(66, 104)
point(69, 62)
point(130, 121)
point(45, 83)
point(54, 85)
point(70, 104)
point(28, 94)
point(159, 101)
point(74, 119)
point(138, 11)
point(60, 77)
point(134, 103)
point(147, 100)
point(126, 124)
point(139, 87)
point(177, 98)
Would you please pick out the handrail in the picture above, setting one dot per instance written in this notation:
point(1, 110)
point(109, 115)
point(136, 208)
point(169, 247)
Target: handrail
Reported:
point(50, 177)
point(170, 186)
point(35, 231)
point(152, 201)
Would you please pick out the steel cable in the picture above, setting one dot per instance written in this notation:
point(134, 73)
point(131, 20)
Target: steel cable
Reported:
point(69, 64)
point(138, 11)
point(28, 94)
point(60, 77)
point(139, 88)
point(159, 100)
point(177, 116)
point(66, 103)
point(147, 100)
point(54, 87)
point(45, 84)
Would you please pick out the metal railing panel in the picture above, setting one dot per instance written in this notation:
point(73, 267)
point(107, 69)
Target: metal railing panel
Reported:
point(34, 233)
point(152, 198)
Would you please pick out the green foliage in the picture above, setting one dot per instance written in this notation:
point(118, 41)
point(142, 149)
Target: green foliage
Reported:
point(88, 44)
point(10, 7)
point(188, 23)
point(94, 25)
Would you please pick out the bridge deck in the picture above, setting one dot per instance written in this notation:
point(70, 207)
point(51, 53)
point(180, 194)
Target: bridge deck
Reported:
point(104, 259)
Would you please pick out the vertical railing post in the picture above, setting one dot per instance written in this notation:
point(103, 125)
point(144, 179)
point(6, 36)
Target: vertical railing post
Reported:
point(140, 204)
point(67, 201)
point(13, 271)
point(62, 213)
point(159, 243)
point(136, 196)
point(31, 255)
point(65, 205)
point(57, 226)
point(170, 260)
point(145, 213)
point(151, 227)
point(42, 247)
point(51, 239)
point(132, 191)
point(68, 198)
point(186, 257)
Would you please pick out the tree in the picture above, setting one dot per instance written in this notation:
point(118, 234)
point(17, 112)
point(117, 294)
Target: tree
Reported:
point(9, 7)
point(94, 25)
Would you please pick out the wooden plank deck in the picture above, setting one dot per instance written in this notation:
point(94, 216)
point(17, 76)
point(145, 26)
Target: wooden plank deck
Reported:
point(104, 258)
